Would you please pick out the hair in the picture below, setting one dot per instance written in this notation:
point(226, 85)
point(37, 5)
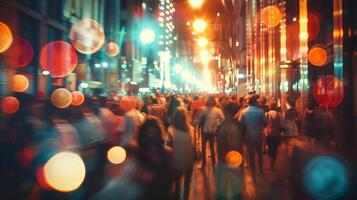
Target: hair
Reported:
point(230, 110)
point(180, 119)
point(252, 100)
point(211, 102)
point(273, 104)
point(151, 133)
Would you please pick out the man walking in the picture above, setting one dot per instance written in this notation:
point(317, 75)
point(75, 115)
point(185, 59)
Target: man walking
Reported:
point(254, 121)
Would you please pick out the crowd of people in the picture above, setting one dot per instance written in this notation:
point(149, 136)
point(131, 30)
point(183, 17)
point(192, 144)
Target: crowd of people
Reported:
point(163, 135)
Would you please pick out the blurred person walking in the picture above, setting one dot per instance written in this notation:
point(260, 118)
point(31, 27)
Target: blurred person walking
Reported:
point(182, 143)
point(273, 131)
point(210, 120)
point(254, 120)
point(157, 159)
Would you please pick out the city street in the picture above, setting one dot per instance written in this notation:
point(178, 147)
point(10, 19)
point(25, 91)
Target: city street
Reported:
point(178, 99)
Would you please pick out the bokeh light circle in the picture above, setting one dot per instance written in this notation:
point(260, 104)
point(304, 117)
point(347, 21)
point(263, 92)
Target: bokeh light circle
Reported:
point(199, 25)
point(10, 105)
point(59, 58)
point(147, 36)
point(116, 155)
point(325, 177)
point(19, 54)
point(271, 16)
point(87, 36)
point(234, 159)
point(112, 49)
point(77, 98)
point(65, 171)
point(5, 37)
point(328, 91)
point(317, 56)
point(61, 98)
point(127, 103)
point(19, 83)
point(313, 24)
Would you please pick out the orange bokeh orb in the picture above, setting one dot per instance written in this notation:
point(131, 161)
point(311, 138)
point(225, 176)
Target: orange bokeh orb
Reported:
point(313, 24)
point(59, 58)
point(328, 91)
point(10, 105)
point(5, 37)
point(77, 98)
point(112, 49)
point(19, 83)
point(116, 155)
point(234, 159)
point(127, 103)
point(87, 36)
point(271, 16)
point(317, 56)
point(61, 98)
point(19, 54)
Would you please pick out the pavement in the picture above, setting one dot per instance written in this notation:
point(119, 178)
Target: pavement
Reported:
point(272, 185)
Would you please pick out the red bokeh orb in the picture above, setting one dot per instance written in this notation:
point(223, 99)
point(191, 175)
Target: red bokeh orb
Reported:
point(313, 24)
point(112, 49)
point(59, 58)
point(19, 54)
point(328, 91)
point(10, 105)
point(5, 37)
point(87, 36)
point(127, 103)
point(77, 98)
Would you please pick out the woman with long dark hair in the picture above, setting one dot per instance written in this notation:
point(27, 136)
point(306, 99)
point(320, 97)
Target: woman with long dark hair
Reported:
point(156, 158)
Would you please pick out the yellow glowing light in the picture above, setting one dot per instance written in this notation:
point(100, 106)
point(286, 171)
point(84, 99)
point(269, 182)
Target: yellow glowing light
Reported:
point(19, 83)
point(234, 159)
point(204, 53)
point(199, 25)
point(65, 171)
point(61, 98)
point(196, 3)
point(271, 16)
point(5, 37)
point(303, 36)
point(202, 42)
point(283, 50)
point(116, 155)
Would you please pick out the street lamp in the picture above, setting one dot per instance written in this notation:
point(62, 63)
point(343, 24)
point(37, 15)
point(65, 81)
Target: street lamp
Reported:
point(196, 3)
point(202, 42)
point(147, 36)
point(199, 25)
